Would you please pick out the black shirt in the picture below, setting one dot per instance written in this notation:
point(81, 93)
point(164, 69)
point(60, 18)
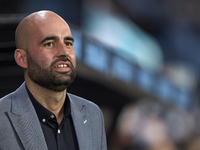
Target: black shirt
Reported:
point(58, 137)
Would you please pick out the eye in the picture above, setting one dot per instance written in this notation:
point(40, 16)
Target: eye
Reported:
point(69, 43)
point(49, 44)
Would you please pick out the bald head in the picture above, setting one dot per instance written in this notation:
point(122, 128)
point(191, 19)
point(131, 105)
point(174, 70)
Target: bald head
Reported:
point(26, 27)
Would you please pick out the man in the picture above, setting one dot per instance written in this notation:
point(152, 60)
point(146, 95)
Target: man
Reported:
point(40, 114)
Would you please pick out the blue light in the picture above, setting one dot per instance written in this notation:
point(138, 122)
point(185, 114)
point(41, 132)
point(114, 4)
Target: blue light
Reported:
point(96, 57)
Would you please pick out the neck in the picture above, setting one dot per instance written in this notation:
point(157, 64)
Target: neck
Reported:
point(53, 101)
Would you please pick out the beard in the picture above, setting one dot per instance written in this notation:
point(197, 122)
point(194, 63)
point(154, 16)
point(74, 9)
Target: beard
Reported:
point(47, 77)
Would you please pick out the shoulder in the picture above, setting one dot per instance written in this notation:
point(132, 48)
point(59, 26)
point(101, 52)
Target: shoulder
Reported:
point(82, 102)
point(15, 97)
point(81, 106)
point(5, 101)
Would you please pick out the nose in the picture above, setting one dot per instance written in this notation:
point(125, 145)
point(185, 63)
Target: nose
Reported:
point(62, 50)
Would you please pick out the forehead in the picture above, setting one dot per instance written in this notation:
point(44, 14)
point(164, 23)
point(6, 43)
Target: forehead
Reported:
point(51, 25)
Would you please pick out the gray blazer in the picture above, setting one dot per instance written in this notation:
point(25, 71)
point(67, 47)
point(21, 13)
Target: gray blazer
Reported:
point(20, 128)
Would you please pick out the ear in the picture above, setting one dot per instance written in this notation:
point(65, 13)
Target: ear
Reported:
point(20, 58)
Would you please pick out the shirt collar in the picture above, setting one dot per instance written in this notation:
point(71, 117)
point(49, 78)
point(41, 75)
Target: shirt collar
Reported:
point(44, 113)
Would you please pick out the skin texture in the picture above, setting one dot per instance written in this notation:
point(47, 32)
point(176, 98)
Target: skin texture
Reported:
point(45, 50)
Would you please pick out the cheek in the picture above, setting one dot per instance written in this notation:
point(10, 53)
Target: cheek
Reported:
point(40, 56)
point(40, 59)
point(73, 58)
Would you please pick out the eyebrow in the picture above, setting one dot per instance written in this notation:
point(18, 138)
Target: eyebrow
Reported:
point(69, 38)
point(56, 38)
point(49, 38)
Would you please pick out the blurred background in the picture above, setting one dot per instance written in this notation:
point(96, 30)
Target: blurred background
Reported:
point(137, 59)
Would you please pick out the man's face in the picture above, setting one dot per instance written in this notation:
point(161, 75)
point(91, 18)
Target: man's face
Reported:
point(50, 55)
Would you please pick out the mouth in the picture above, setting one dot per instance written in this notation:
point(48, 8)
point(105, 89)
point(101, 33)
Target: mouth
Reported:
point(62, 67)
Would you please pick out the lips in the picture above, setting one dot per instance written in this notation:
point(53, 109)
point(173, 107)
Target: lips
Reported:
point(62, 66)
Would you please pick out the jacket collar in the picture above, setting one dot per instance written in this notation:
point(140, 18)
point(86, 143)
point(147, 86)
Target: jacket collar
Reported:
point(26, 123)
point(81, 121)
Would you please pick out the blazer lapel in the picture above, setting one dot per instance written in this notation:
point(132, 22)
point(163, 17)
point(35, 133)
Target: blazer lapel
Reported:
point(82, 125)
point(29, 131)
point(25, 122)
